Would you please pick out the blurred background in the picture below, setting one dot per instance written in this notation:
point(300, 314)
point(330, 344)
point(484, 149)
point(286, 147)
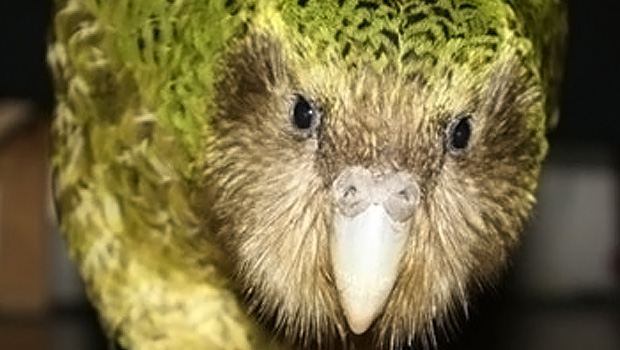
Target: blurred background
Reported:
point(560, 293)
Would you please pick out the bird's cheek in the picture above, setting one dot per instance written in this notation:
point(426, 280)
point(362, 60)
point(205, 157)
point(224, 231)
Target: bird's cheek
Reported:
point(372, 217)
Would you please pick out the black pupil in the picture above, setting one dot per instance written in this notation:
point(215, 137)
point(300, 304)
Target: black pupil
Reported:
point(303, 113)
point(461, 133)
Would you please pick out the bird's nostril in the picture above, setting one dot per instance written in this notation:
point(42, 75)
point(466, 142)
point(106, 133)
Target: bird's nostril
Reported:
point(356, 188)
point(350, 192)
point(405, 195)
point(402, 196)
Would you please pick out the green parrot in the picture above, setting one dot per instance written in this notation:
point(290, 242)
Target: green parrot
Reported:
point(297, 174)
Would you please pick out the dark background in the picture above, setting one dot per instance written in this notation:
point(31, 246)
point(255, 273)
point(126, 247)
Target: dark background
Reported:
point(591, 92)
point(589, 119)
point(23, 34)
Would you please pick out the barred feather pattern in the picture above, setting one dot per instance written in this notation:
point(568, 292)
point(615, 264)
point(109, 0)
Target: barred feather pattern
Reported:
point(183, 196)
point(123, 180)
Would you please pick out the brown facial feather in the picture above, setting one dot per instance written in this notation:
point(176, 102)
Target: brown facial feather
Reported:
point(475, 206)
point(267, 186)
point(268, 198)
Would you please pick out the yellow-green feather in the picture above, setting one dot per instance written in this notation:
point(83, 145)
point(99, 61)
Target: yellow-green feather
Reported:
point(132, 101)
point(433, 37)
point(135, 82)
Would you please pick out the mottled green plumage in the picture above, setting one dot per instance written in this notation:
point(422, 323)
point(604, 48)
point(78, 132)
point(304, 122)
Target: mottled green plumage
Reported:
point(140, 85)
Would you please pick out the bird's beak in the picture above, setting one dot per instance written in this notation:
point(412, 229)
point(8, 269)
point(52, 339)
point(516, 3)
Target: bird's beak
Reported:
point(371, 221)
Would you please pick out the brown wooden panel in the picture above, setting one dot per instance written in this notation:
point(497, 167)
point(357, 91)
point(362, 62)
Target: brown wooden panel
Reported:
point(24, 258)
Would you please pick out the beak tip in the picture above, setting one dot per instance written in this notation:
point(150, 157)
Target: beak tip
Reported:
point(365, 252)
point(359, 324)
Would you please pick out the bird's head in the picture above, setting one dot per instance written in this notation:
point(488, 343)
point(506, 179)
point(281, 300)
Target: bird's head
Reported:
point(368, 187)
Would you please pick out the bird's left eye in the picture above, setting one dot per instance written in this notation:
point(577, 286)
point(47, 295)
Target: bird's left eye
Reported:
point(304, 114)
point(459, 133)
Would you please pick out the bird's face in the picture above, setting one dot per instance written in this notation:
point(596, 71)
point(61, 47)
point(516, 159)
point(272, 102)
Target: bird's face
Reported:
point(354, 201)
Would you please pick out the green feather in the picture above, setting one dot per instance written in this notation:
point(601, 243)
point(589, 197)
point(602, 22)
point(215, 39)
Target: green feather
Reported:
point(136, 82)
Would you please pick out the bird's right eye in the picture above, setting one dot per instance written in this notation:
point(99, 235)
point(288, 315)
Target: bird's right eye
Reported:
point(304, 114)
point(459, 133)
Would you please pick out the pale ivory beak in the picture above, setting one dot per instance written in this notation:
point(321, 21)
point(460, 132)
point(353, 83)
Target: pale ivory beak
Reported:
point(366, 250)
point(371, 222)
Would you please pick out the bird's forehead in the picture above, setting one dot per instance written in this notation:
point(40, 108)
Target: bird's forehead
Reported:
point(408, 36)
